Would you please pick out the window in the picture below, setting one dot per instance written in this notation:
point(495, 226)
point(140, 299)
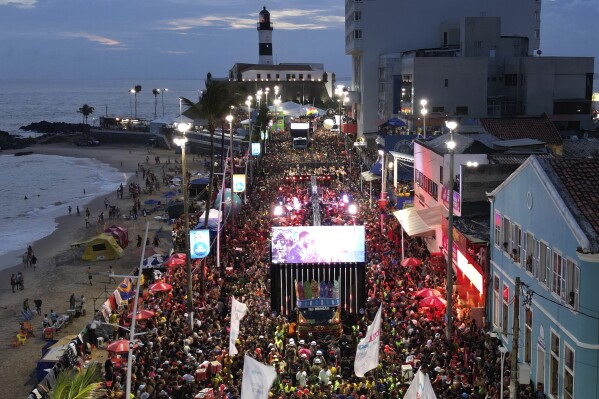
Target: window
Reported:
point(438, 109)
point(537, 16)
point(554, 365)
point(507, 234)
point(496, 301)
point(557, 278)
point(258, 76)
point(527, 336)
point(545, 264)
point(511, 79)
point(536, 258)
point(268, 76)
point(462, 110)
point(568, 372)
point(301, 76)
point(505, 312)
point(426, 184)
point(441, 173)
point(446, 83)
point(277, 75)
point(358, 34)
point(478, 43)
point(537, 34)
point(526, 253)
point(516, 243)
point(572, 283)
point(497, 231)
point(357, 15)
point(309, 76)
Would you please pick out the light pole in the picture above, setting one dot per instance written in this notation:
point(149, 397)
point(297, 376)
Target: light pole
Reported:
point(277, 102)
point(503, 351)
point(162, 96)
point(229, 119)
point(266, 91)
point(259, 97)
point(383, 185)
point(181, 142)
point(131, 91)
point(423, 111)
point(451, 125)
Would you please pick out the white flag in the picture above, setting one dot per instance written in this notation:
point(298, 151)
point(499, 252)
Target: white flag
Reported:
point(257, 379)
point(420, 387)
point(238, 310)
point(367, 354)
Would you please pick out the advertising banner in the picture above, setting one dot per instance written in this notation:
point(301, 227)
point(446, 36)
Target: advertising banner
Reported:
point(255, 149)
point(199, 243)
point(238, 183)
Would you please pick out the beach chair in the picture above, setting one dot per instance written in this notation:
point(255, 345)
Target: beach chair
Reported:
point(22, 338)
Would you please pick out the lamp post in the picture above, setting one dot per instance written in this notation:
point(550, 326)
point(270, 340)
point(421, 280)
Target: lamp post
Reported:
point(181, 142)
point(229, 119)
point(423, 111)
point(131, 91)
point(266, 91)
point(383, 185)
point(259, 97)
point(503, 351)
point(451, 125)
point(162, 97)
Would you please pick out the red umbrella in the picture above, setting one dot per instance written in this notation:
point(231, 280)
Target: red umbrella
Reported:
point(175, 260)
point(142, 315)
point(411, 262)
point(433, 302)
point(425, 293)
point(160, 287)
point(119, 346)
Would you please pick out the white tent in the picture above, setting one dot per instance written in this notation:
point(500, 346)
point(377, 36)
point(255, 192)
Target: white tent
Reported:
point(420, 387)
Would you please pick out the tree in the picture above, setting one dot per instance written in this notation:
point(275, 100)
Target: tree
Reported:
point(136, 90)
point(214, 104)
point(86, 111)
point(155, 92)
point(84, 384)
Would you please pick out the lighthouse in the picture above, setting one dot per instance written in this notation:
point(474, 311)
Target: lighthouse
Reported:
point(265, 38)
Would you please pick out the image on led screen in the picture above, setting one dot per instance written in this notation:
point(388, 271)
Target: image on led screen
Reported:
point(318, 244)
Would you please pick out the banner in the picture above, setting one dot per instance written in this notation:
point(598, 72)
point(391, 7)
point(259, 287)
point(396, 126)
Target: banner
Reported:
point(256, 149)
point(238, 183)
point(199, 243)
point(257, 379)
point(367, 354)
point(238, 310)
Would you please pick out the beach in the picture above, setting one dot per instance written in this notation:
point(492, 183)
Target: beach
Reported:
point(60, 272)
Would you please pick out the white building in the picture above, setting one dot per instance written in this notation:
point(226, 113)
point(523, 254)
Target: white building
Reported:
point(466, 57)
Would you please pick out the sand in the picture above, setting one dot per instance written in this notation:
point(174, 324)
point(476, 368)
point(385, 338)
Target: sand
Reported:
point(59, 273)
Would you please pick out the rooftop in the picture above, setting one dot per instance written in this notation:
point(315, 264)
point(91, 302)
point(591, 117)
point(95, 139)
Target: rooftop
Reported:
point(539, 128)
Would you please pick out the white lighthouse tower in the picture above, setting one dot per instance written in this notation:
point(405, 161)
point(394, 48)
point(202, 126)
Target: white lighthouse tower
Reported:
point(265, 38)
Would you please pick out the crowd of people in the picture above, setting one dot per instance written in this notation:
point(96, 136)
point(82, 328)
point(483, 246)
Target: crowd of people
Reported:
point(170, 353)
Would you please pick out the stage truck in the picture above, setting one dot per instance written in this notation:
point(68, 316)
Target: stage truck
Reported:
point(317, 275)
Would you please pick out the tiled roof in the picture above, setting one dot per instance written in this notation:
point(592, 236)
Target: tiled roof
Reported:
point(509, 158)
point(581, 148)
point(580, 178)
point(540, 128)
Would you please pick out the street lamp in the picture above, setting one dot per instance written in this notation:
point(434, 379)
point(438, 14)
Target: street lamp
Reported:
point(451, 125)
point(266, 91)
point(181, 142)
point(503, 351)
point(259, 96)
point(277, 102)
point(383, 185)
point(423, 111)
point(162, 96)
point(131, 91)
point(229, 119)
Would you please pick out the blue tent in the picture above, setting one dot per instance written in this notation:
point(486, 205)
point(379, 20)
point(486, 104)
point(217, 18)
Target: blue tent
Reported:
point(377, 168)
point(395, 122)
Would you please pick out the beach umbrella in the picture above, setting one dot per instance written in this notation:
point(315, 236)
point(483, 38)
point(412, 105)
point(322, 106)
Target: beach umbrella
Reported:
point(142, 315)
point(154, 260)
point(151, 202)
point(425, 293)
point(160, 287)
point(119, 346)
point(433, 302)
point(169, 194)
point(409, 262)
point(176, 180)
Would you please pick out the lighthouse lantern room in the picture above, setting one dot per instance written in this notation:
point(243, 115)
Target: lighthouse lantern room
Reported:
point(265, 38)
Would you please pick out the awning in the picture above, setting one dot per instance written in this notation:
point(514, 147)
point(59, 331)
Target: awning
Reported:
point(368, 176)
point(420, 222)
point(376, 168)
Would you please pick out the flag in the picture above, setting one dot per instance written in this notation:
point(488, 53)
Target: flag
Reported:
point(238, 310)
point(420, 387)
point(367, 354)
point(257, 379)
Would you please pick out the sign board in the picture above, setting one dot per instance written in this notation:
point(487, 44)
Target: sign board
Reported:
point(238, 183)
point(199, 243)
point(255, 149)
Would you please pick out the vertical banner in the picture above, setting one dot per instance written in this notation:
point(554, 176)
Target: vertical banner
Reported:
point(239, 183)
point(255, 149)
point(238, 310)
point(367, 354)
point(199, 243)
point(257, 379)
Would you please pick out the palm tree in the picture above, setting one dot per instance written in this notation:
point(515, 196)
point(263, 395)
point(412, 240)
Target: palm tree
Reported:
point(214, 104)
point(136, 90)
point(84, 384)
point(155, 92)
point(86, 111)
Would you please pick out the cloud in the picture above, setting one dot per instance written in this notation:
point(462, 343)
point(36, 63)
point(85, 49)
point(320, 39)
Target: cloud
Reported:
point(19, 3)
point(95, 38)
point(287, 19)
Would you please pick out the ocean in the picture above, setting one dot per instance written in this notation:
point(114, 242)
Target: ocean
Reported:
point(52, 183)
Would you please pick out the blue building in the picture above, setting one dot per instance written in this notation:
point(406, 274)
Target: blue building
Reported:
point(545, 230)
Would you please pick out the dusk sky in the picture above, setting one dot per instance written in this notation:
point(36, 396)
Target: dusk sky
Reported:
point(154, 39)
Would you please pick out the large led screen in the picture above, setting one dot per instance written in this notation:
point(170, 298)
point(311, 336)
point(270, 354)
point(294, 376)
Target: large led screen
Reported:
point(318, 244)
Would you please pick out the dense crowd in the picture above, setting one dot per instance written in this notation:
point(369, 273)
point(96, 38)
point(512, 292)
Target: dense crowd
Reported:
point(169, 354)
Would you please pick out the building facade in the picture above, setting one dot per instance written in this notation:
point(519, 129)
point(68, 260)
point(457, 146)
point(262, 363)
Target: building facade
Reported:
point(545, 230)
